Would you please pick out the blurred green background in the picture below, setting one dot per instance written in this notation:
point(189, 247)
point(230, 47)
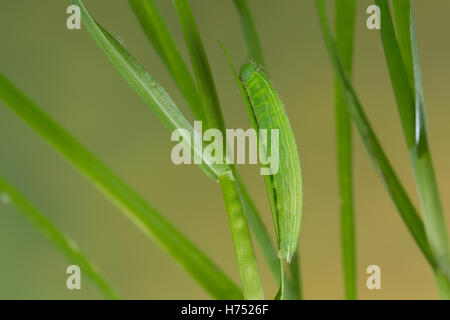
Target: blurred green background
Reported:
point(68, 76)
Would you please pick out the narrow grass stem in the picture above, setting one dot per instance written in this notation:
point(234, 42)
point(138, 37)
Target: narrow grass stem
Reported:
point(345, 26)
point(200, 64)
point(254, 50)
point(435, 227)
point(281, 294)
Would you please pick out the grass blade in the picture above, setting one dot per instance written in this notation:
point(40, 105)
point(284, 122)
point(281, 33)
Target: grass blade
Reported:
point(402, 15)
point(154, 96)
point(254, 50)
point(129, 202)
point(434, 221)
point(294, 288)
point(345, 32)
point(399, 77)
point(200, 64)
point(159, 35)
point(259, 230)
point(384, 168)
point(245, 256)
point(13, 198)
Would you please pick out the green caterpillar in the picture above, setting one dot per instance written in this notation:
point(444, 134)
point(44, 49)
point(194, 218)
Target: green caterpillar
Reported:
point(266, 111)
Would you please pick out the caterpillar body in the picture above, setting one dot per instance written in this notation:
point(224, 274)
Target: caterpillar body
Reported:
point(266, 111)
